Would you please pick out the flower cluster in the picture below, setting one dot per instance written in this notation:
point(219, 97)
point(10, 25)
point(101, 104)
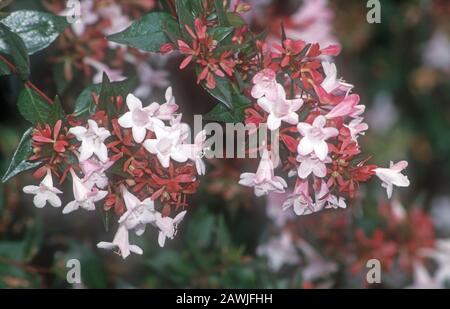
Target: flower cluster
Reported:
point(137, 160)
point(318, 120)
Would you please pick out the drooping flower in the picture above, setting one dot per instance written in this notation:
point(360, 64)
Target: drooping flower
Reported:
point(314, 137)
point(264, 180)
point(121, 241)
point(138, 213)
point(45, 192)
point(311, 164)
point(139, 119)
point(167, 226)
point(265, 84)
point(85, 195)
point(331, 83)
point(280, 109)
point(356, 128)
point(92, 141)
point(101, 68)
point(392, 176)
point(300, 200)
point(166, 145)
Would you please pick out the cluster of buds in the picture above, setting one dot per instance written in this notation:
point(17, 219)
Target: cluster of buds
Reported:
point(137, 160)
point(319, 121)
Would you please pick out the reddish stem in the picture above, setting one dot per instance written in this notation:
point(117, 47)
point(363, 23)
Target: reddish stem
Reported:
point(28, 82)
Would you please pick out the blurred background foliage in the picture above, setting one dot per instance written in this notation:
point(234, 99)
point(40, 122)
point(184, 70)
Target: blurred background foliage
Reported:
point(408, 109)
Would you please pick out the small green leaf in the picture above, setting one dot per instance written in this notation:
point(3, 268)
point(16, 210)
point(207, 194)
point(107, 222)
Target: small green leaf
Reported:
point(32, 107)
point(37, 29)
point(149, 32)
point(220, 33)
point(112, 90)
point(221, 13)
point(84, 105)
point(235, 20)
point(19, 161)
point(20, 56)
point(185, 15)
point(224, 114)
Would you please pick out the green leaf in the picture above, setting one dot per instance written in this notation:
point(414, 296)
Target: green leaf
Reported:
point(32, 107)
point(235, 20)
point(220, 33)
point(20, 56)
point(186, 15)
point(229, 115)
point(56, 112)
point(84, 105)
point(19, 161)
point(221, 13)
point(112, 90)
point(149, 32)
point(37, 29)
point(4, 69)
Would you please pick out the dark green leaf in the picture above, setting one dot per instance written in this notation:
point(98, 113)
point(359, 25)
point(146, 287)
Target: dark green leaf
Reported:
point(149, 32)
point(185, 15)
point(32, 107)
point(84, 105)
point(235, 20)
point(222, 91)
point(19, 161)
point(220, 33)
point(221, 13)
point(20, 56)
point(224, 114)
point(37, 29)
point(111, 90)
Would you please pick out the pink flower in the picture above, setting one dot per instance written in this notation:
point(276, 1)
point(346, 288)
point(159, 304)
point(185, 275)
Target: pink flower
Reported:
point(392, 176)
point(265, 85)
point(121, 241)
point(324, 199)
point(264, 181)
point(314, 137)
point(331, 84)
point(139, 118)
point(279, 108)
point(300, 200)
point(85, 195)
point(92, 141)
point(45, 192)
point(138, 213)
point(347, 107)
point(356, 127)
point(311, 164)
point(94, 172)
point(167, 226)
point(113, 75)
point(195, 151)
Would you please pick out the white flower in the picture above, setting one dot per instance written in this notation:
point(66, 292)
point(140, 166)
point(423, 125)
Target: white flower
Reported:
point(264, 180)
point(92, 141)
point(167, 226)
point(265, 84)
point(85, 195)
point(94, 172)
point(139, 119)
point(441, 255)
point(166, 145)
point(279, 251)
point(314, 137)
point(392, 176)
point(279, 108)
point(45, 192)
point(422, 279)
point(331, 83)
point(324, 199)
point(113, 75)
point(121, 241)
point(356, 128)
point(301, 201)
point(311, 164)
point(138, 213)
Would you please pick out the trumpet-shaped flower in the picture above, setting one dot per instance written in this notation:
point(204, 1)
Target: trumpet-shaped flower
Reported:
point(166, 145)
point(85, 195)
point(392, 176)
point(314, 137)
point(195, 151)
point(265, 84)
point(45, 192)
point(311, 164)
point(331, 83)
point(121, 241)
point(264, 180)
point(167, 226)
point(279, 108)
point(138, 213)
point(92, 141)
